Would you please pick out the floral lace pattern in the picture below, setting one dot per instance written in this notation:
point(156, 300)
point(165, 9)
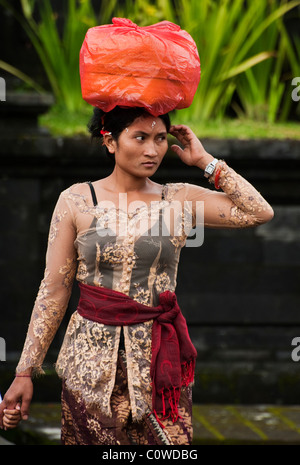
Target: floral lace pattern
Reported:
point(247, 205)
point(87, 360)
point(141, 263)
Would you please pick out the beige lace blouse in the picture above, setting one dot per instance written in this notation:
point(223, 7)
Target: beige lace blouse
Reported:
point(135, 251)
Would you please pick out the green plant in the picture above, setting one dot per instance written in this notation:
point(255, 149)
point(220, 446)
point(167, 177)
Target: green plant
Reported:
point(262, 89)
point(292, 46)
point(58, 52)
point(243, 47)
point(230, 36)
point(60, 122)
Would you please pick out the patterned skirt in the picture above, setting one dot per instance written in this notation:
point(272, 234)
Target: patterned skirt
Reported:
point(82, 425)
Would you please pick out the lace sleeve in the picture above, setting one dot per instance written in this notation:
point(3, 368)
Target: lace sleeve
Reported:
point(55, 289)
point(240, 205)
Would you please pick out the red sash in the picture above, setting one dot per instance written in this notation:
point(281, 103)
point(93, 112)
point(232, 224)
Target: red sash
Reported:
point(173, 354)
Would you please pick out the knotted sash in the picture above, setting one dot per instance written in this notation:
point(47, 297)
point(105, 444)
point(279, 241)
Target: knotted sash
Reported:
point(173, 354)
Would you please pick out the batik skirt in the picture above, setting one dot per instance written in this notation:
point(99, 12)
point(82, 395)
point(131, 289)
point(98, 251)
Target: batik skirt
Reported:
point(86, 426)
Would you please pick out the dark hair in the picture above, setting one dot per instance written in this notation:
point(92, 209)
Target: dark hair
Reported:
point(116, 120)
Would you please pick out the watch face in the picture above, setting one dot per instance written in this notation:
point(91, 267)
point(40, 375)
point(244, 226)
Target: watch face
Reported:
point(210, 168)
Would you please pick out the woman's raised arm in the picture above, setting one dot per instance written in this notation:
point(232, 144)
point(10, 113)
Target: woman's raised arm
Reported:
point(240, 205)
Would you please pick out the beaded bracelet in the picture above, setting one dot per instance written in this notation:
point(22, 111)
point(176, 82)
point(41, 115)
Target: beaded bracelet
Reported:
point(221, 166)
point(217, 176)
point(22, 376)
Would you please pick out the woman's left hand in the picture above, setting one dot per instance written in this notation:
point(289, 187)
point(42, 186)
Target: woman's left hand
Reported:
point(193, 152)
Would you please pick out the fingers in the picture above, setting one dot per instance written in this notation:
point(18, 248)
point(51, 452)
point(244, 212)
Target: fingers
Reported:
point(19, 394)
point(10, 423)
point(16, 402)
point(11, 417)
point(2, 407)
point(184, 135)
point(25, 407)
point(25, 387)
point(179, 127)
point(178, 150)
point(180, 132)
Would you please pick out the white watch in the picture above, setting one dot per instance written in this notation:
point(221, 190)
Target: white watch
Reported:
point(210, 168)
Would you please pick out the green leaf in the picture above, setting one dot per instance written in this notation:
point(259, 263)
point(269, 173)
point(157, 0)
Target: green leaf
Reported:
point(19, 74)
point(245, 65)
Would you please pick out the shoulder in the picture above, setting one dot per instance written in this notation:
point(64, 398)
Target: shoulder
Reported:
point(79, 188)
point(171, 189)
point(78, 194)
point(75, 191)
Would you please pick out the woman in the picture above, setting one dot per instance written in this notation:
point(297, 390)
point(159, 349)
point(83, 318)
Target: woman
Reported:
point(115, 386)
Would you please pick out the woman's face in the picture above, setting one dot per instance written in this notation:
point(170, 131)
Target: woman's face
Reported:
point(141, 147)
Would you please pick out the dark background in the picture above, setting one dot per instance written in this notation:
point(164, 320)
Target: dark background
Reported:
point(240, 291)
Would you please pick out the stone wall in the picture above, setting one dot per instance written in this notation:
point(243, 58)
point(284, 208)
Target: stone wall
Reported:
point(239, 291)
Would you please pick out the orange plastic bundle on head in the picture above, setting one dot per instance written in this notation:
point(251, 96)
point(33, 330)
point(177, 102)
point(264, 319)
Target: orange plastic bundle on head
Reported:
point(156, 67)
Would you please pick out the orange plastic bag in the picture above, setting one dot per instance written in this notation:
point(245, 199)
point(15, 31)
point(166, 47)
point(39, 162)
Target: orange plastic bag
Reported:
point(156, 67)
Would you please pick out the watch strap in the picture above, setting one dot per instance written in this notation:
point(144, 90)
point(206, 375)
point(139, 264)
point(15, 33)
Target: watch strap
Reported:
point(210, 168)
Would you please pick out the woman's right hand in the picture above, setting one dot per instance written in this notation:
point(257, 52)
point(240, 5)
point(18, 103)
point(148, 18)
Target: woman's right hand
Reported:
point(19, 392)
